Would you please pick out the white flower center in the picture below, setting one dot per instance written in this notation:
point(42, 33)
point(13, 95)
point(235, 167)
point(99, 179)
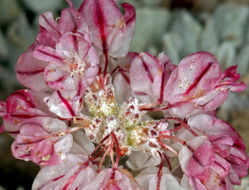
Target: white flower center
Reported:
point(76, 64)
point(125, 120)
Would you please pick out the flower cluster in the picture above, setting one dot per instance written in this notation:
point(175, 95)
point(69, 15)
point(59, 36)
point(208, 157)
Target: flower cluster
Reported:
point(96, 116)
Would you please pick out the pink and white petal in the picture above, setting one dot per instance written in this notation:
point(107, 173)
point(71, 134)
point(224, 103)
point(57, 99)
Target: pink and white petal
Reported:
point(202, 158)
point(39, 141)
point(63, 146)
point(94, 62)
point(100, 16)
point(48, 23)
point(152, 73)
point(185, 154)
point(230, 81)
point(183, 110)
point(231, 74)
point(73, 173)
point(234, 177)
point(123, 62)
point(195, 75)
point(43, 153)
point(212, 100)
point(93, 57)
point(58, 78)
point(62, 107)
point(238, 157)
point(113, 179)
point(20, 153)
point(26, 100)
point(101, 180)
point(185, 185)
point(83, 142)
point(21, 99)
point(12, 123)
point(197, 185)
point(22, 105)
point(107, 25)
point(48, 54)
point(2, 108)
point(211, 126)
point(165, 69)
point(148, 179)
point(85, 46)
point(45, 38)
point(55, 76)
point(125, 180)
point(71, 43)
point(220, 166)
point(76, 93)
point(68, 77)
point(140, 160)
point(121, 43)
point(140, 76)
point(167, 63)
point(90, 74)
point(29, 70)
point(69, 20)
point(122, 87)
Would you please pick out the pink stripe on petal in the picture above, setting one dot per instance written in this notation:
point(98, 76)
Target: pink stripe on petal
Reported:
point(13, 132)
point(71, 180)
point(43, 54)
point(30, 72)
point(55, 179)
point(22, 95)
point(49, 24)
point(74, 22)
point(146, 68)
point(198, 78)
point(130, 13)
point(66, 103)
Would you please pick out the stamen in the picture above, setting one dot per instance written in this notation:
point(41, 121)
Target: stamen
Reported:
point(173, 138)
point(105, 154)
point(86, 125)
point(167, 160)
point(170, 130)
point(98, 146)
point(117, 150)
point(153, 107)
point(159, 173)
point(183, 124)
point(166, 147)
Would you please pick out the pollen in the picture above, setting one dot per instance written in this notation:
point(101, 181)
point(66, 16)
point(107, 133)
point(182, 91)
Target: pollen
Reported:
point(75, 63)
point(45, 158)
point(125, 120)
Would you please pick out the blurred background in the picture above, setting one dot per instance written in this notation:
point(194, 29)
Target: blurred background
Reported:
point(178, 27)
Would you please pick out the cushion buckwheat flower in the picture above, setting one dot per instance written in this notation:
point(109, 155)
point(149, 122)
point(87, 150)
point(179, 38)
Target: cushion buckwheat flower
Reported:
point(74, 173)
point(111, 32)
point(226, 143)
point(98, 117)
point(199, 85)
point(72, 65)
point(23, 105)
point(43, 140)
point(149, 75)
